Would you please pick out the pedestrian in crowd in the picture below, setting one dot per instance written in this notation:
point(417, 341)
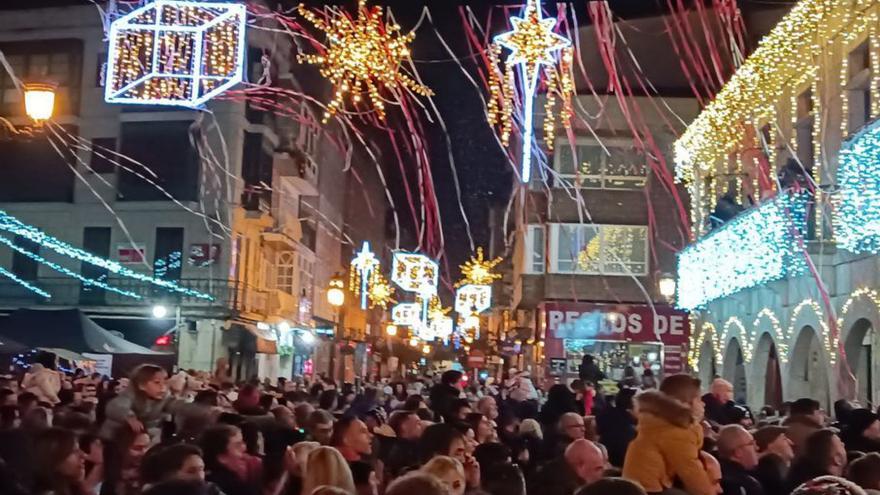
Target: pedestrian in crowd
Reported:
point(861, 430)
point(719, 402)
point(581, 463)
point(327, 467)
point(805, 417)
point(775, 455)
point(352, 438)
point(865, 472)
point(823, 455)
point(669, 438)
point(612, 486)
point(445, 393)
point(141, 406)
point(617, 426)
point(738, 455)
point(449, 471)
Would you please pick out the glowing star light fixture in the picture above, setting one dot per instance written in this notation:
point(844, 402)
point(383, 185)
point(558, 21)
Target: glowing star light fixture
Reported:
point(532, 43)
point(172, 52)
point(381, 292)
point(478, 271)
point(857, 212)
point(363, 54)
point(759, 246)
point(363, 266)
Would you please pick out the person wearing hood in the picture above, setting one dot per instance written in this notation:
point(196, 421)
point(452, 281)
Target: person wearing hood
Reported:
point(617, 426)
point(668, 439)
point(589, 371)
point(444, 393)
point(861, 431)
point(42, 380)
point(805, 417)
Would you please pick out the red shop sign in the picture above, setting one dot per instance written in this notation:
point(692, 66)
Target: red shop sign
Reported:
point(616, 322)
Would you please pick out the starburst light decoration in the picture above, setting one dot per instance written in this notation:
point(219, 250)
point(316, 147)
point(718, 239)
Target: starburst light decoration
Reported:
point(364, 54)
point(380, 292)
point(533, 46)
point(363, 266)
point(174, 52)
point(478, 270)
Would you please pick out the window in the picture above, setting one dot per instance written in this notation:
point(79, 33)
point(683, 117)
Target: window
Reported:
point(590, 166)
point(534, 249)
point(58, 61)
point(96, 240)
point(804, 128)
point(165, 148)
point(169, 253)
point(599, 249)
point(285, 272)
point(858, 88)
point(22, 265)
point(306, 276)
point(101, 161)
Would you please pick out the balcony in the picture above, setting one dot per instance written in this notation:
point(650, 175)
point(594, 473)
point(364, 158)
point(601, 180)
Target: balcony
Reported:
point(229, 297)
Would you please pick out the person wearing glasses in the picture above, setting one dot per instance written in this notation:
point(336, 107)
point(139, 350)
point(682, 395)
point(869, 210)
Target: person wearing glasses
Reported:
point(738, 454)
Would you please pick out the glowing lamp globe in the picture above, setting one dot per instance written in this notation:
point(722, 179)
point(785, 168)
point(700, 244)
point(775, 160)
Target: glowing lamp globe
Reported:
point(391, 330)
point(413, 342)
point(39, 101)
point(666, 285)
point(335, 296)
point(159, 311)
point(426, 349)
point(308, 338)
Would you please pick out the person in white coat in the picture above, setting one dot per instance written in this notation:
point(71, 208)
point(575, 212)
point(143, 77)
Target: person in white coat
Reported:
point(43, 382)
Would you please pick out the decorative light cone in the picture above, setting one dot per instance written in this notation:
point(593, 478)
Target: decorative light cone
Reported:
point(39, 100)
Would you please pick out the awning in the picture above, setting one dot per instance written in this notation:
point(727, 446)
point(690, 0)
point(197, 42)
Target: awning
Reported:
point(66, 329)
point(264, 339)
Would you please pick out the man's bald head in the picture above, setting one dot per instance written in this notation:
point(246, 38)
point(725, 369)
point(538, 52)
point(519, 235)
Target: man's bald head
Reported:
point(722, 390)
point(713, 469)
point(572, 426)
point(586, 460)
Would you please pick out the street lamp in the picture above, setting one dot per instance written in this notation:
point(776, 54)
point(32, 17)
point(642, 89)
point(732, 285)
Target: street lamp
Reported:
point(160, 311)
point(391, 330)
point(335, 294)
point(39, 101)
point(666, 285)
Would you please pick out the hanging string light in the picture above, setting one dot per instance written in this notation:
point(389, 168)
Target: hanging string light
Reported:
point(364, 54)
point(363, 266)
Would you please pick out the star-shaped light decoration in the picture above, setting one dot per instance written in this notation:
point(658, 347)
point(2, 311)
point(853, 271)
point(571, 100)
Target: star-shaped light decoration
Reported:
point(381, 292)
point(533, 45)
point(478, 271)
point(364, 54)
point(363, 266)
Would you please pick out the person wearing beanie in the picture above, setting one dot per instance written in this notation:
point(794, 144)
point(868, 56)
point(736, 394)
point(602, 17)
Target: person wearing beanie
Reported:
point(775, 453)
point(861, 431)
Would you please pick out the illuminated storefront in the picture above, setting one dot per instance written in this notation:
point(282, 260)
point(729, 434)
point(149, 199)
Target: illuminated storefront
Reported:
point(616, 335)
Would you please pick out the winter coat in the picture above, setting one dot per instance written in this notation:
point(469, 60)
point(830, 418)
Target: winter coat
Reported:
point(617, 428)
point(737, 480)
point(666, 447)
point(442, 396)
point(44, 383)
point(150, 412)
point(799, 427)
point(554, 478)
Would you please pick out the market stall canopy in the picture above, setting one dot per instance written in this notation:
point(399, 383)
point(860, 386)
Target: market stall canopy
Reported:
point(66, 329)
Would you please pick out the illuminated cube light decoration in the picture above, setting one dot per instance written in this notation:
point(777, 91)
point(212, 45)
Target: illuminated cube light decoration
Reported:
point(175, 53)
point(857, 208)
point(759, 246)
point(407, 314)
point(473, 299)
point(415, 273)
point(439, 328)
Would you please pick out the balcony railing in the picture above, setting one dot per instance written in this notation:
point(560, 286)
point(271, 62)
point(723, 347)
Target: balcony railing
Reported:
point(227, 295)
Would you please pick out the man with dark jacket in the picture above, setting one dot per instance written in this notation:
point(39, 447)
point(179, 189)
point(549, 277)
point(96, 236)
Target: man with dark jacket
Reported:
point(719, 403)
point(805, 417)
point(404, 447)
point(581, 465)
point(445, 393)
point(739, 456)
point(617, 426)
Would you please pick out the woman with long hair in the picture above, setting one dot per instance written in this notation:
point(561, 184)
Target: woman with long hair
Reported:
point(327, 467)
point(122, 463)
point(59, 465)
point(227, 463)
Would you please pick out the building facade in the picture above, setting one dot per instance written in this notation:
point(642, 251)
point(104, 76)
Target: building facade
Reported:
point(234, 201)
point(783, 278)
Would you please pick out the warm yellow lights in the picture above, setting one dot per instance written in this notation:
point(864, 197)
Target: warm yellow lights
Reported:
point(39, 101)
point(391, 330)
point(364, 54)
point(380, 291)
point(335, 293)
point(478, 271)
point(413, 341)
point(426, 349)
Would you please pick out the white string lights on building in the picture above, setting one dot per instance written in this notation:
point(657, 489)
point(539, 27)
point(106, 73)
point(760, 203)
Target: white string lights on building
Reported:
point(172, 52)
point(759, 246)
point(857, 212)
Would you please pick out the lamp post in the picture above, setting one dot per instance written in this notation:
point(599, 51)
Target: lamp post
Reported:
point(666, 285)
point(39, 105)
point(336, 298)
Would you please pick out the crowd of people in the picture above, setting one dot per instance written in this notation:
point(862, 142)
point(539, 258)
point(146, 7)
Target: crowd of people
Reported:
point(86, 434)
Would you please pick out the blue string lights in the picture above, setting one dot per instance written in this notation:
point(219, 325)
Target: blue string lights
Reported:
point(70, 273)
point(857, 212)
point(759, 246)
point(24, 283)
point(10, 224)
